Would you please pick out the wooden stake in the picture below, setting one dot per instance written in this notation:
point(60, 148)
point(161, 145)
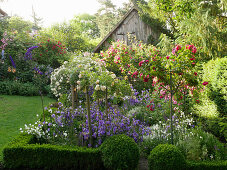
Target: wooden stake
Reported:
point(89, 115)
point(73, 96)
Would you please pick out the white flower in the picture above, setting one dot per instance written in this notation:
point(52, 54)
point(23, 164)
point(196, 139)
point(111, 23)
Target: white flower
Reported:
point(80, 76)
point(103, 88)
point(211, 156)
point(113, 76)
point(50, 110)
point(115, 94)
point(97, 87)
point(97, 82)
point(78, 82)
point(78, 87)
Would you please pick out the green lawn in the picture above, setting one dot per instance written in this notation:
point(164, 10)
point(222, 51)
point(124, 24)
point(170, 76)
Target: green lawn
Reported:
point(15, 111)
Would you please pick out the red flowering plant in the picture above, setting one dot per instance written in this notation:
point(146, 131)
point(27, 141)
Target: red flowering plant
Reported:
point(147, 63)
point(50, 52)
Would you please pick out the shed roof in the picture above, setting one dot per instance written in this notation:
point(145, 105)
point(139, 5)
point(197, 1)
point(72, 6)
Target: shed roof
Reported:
point(114, 28)
point(3, 13)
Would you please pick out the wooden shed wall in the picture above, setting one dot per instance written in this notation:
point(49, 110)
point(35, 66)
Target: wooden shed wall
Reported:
point(134, 26)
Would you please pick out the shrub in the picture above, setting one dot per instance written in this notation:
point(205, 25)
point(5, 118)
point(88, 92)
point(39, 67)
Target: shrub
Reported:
point(198, 165)
point(148, 145)
point(166, 156)
point(17, 88)
point(200, 145)
point(214, 100)
point(120, 152)
point(24, 152)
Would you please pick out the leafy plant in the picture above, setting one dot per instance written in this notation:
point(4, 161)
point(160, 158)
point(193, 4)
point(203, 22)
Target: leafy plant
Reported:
point(166, 156)
point(120, 152)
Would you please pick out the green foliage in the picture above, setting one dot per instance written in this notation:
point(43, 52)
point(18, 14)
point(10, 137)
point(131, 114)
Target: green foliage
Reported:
point(166, 156)
point(181, 19)
point(208, 165)
point(78, 35)
point(108, 15)
point(214, 100)
point(17, 88)
point(120, 152)
point(148, 145)
point(216, 126)
point(49, 52)
point(23, 152)
point(200, 145)
point(17, 111)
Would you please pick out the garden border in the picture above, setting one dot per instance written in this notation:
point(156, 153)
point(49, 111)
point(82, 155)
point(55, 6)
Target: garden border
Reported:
point(24, 152)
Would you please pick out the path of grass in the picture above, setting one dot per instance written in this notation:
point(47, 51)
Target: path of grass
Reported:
point(15, 111)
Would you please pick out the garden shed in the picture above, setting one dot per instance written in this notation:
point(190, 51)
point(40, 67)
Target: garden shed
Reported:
point(131, 24)
point(2, 13)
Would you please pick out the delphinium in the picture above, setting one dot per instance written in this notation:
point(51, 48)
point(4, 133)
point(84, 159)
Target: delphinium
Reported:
point(28, 54)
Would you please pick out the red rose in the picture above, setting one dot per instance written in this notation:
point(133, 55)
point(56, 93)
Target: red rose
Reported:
point(205, 83)
point(178, 47)
point(145, 79)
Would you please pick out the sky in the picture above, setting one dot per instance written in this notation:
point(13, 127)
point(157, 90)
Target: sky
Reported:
point(52, 11)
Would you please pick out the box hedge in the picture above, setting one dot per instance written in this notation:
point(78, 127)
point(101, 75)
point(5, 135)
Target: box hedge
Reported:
point(120, 152)
point(166, 157)
point(24, 152)
point(207, 165)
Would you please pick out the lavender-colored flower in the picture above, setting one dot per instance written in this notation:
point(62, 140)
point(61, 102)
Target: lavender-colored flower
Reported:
point(13, 64)
point(28, 54)
point(3, 54)
point(38, 71)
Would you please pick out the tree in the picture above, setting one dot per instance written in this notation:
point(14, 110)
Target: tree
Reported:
point(36, 20)
point(108, 16)
point(18, 24)
point(86, 23)
point(198, 22)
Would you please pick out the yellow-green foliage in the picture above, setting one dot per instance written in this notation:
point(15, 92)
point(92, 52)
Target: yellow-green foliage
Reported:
point(213, 101)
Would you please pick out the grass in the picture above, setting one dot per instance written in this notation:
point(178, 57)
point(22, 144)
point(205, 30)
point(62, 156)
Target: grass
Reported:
point(15, 111)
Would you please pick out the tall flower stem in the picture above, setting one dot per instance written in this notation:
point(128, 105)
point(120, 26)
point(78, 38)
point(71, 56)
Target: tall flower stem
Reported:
point(73, 96)
point(76, 97)
point(89, 115)
point(41, 95)
point(185, 100)
point(106, 101)
point(171, 106)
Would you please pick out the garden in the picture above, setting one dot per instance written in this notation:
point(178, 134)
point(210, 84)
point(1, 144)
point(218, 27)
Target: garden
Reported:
point(138, 106)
